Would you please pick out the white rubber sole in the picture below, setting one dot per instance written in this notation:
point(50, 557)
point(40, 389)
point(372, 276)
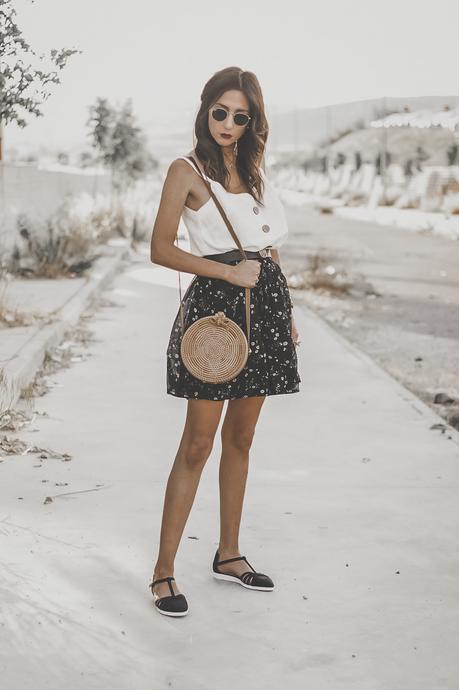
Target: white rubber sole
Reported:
point(174, 614)
point(233, 578)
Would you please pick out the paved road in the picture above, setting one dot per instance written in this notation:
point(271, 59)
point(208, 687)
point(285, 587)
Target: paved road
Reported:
point(412, 328)
point(351, 507)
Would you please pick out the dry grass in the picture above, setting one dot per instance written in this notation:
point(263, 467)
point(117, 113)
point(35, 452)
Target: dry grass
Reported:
point(321, 274)
point(12, 317)
point(60, 357)
point(14, 446)
point(61, 247)
point(13, 420)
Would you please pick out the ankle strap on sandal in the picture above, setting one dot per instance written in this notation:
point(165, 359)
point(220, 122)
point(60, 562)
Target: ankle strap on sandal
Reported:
point(163, 579)
point(230, 560)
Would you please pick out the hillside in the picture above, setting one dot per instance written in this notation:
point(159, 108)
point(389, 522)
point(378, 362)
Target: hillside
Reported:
point(402, 143)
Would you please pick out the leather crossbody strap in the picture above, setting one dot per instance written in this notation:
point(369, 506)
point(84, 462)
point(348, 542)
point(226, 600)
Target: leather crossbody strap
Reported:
point(236, 239)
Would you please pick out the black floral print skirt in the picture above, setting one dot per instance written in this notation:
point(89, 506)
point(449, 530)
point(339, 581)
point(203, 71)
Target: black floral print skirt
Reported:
point(271, 367)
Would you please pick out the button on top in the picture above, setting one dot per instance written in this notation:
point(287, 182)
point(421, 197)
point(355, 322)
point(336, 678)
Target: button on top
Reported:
point(265, 228)
point(256, 209)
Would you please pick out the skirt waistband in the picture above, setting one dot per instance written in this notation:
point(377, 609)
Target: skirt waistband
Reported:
point(227, 257)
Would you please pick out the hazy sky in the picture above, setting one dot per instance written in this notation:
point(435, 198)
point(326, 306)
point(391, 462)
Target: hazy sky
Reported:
point(304, 54)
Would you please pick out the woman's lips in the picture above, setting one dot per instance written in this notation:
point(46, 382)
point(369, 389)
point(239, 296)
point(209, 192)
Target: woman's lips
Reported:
point(226, 136)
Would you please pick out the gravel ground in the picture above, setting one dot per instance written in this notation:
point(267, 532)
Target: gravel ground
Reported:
point(403, 306)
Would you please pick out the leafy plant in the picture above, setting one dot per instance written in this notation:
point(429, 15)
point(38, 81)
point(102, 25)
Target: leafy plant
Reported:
point(60, 247)
point(23, 87)
point(453, 154)
point(119, 142)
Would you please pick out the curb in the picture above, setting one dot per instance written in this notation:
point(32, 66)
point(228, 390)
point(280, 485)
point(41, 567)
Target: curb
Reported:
point(20, 371)
point(419, 405)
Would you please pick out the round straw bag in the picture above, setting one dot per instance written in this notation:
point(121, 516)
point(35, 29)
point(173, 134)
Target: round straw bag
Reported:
point(214, 348)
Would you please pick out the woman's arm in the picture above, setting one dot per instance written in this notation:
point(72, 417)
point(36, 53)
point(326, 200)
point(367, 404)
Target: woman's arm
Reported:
point(178, 183)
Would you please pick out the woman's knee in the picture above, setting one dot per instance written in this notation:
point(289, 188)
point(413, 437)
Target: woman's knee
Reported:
point(240, 439)
point(198, 449)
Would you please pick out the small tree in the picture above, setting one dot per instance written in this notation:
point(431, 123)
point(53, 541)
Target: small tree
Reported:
point(408, 167)
point(339, 160)
point(382, 162)
point(23, 87)
point(101, 121)
point(421, 157)
point(453, 154)
point(121, 146)
point(119, 142)
point(63, 158)
point(85, 159)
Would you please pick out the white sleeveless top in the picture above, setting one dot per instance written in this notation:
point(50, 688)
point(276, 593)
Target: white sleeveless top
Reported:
point(256, 226)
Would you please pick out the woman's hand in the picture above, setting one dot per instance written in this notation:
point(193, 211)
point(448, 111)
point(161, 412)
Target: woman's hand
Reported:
point(245, 273)
point(295, 333)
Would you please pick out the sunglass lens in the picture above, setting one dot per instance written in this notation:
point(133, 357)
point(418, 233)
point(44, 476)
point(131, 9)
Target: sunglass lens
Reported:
point(219, 114)
point(241, 119)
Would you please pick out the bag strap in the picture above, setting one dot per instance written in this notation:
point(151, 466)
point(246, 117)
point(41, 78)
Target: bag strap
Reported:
point(220, 208)
point(236, 239)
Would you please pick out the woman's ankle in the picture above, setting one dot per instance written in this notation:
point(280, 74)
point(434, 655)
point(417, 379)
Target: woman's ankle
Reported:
point(228, 551)
point(163, 571)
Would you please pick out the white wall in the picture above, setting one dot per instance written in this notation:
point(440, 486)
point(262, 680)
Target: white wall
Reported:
point(38, 193)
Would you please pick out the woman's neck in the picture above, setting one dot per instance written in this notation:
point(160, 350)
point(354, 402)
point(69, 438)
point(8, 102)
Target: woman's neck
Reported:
point(229, 159)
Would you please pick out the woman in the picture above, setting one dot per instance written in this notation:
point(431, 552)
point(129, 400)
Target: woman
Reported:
point(231, 132)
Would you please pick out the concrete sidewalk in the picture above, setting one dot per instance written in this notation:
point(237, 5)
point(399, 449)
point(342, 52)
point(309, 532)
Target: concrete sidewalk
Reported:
point(351, 507)
point(56, 305)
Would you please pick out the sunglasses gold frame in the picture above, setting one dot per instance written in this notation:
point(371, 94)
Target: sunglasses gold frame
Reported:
point(227, 111)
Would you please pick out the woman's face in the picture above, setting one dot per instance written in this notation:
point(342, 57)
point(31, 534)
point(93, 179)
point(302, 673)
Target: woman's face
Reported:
point(233, 102)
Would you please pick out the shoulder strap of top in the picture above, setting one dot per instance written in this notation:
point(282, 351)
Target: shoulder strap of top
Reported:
point(193, 165)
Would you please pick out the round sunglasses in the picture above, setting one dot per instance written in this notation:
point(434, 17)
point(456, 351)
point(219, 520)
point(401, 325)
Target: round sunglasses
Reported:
point(221, 114)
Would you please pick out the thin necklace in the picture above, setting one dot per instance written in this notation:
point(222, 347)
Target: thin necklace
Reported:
point(234, 158)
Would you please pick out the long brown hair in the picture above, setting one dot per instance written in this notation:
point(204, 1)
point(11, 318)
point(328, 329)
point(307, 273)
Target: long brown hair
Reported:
point(250, 146)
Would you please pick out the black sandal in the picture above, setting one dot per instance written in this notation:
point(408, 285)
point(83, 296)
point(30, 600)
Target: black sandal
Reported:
point(173, 605)
point(250, 579)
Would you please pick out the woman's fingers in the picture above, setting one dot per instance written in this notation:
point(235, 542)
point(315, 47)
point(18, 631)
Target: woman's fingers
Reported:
point(295, 334)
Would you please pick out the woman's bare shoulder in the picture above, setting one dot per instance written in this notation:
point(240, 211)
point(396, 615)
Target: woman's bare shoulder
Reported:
point(180, 163)
point(179, 172)
point(192, 153)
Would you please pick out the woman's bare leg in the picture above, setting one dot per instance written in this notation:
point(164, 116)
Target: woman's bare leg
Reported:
point(202, 419)
point(237, 434)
